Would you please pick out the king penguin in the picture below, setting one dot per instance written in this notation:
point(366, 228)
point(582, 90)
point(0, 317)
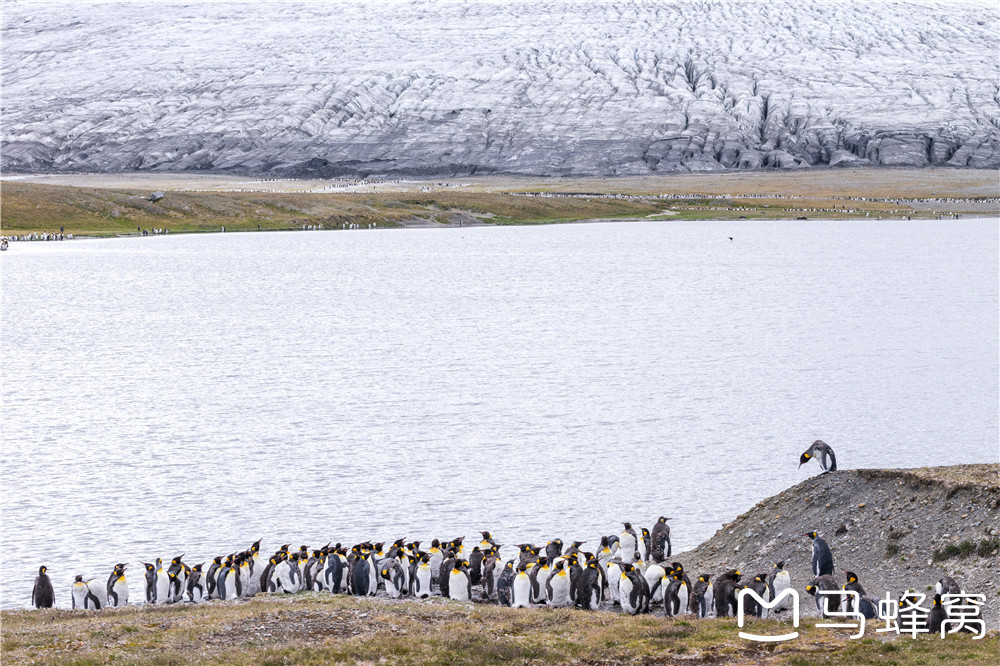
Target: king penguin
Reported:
point(557, 586)
point(627, 542)
point(822, 559)
point(162, 583)
point(118, 587)
point(150, 582)
point(422, 577)
point(505, 583)
point(778, 581)
point(660, 540)
point(459, 582)
point(42, 595)
point(827, 459)
point(195, 587)
point(521, 589)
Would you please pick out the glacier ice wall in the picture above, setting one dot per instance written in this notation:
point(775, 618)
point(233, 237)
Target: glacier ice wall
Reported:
point(599, 88)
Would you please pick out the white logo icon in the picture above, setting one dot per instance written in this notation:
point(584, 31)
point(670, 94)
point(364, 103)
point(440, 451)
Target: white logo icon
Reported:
point(745, 592)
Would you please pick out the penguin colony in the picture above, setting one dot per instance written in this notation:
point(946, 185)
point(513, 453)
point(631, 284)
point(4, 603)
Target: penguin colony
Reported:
point(552, 575)
point(629, 570)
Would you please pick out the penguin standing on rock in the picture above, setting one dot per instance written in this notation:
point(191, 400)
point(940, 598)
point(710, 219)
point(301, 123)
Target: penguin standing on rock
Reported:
point(947, 585)
point(822, 559)
point(42, 595)
point(777, 582)
point(824, 583)
point(822, 450)
point(660, 547)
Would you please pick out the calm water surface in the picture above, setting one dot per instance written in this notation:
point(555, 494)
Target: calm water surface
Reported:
point(190, 394)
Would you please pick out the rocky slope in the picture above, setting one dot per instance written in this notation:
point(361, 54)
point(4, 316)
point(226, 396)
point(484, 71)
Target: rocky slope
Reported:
point(883, 524)
point(548, 88)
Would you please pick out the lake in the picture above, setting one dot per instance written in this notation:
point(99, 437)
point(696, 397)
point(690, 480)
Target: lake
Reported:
point(193, 393)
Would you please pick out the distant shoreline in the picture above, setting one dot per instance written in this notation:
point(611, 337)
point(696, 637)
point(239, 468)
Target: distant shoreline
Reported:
point(126, 204)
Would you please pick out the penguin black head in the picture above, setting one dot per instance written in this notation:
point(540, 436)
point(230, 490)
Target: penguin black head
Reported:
point(851, 576)
point(662, 519)
point(577, 544)
point(177, 560)
point(42, 569)
point(149, 567)
point(705, 577)
point(779, 565)
point(78, 579)
point(197, 567)
point(542, 560)
point(435, 544)
point(937, 599)
point(486, 534)
point(803, 459)
point(645, 532)
point(761, 578)
point(811, 589)
point(628, 526)
point(256, 546)
point(811, 535)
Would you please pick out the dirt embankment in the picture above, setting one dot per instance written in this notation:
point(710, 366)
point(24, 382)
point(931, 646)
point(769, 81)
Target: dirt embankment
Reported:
point(896, 528)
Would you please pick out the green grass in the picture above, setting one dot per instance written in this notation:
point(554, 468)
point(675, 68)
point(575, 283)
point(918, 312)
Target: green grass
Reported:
point(967, 548)
point(89, 211)
point(312, 628)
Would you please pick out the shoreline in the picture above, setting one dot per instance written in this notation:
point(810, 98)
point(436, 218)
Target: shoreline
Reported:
point(605, 220)
point(124, 205)
point(318, 626)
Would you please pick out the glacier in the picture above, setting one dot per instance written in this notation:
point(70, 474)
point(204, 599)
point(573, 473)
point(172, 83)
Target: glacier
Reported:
point(421, 88)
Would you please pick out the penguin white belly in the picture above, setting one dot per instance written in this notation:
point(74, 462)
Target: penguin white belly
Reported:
point(624, 594)
point(423, 577)
point(344, 571)
point(709, 600)
point(614, 579)
point(255, 571)
point(282, 577)
point(80, 595)
point(99, 591)
point(436, 559)
point(458, 586)
point(162, 587)
point(390, 585)
point(539, 596)
point(522, 591)
point(120, 587)
point(196, 593)
point(782, 581)
point(230, 584)
point(653, 573)
point(559, 595)
point(627, 544)
point(372, 578)
point(682, 595)
point(180, 587)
